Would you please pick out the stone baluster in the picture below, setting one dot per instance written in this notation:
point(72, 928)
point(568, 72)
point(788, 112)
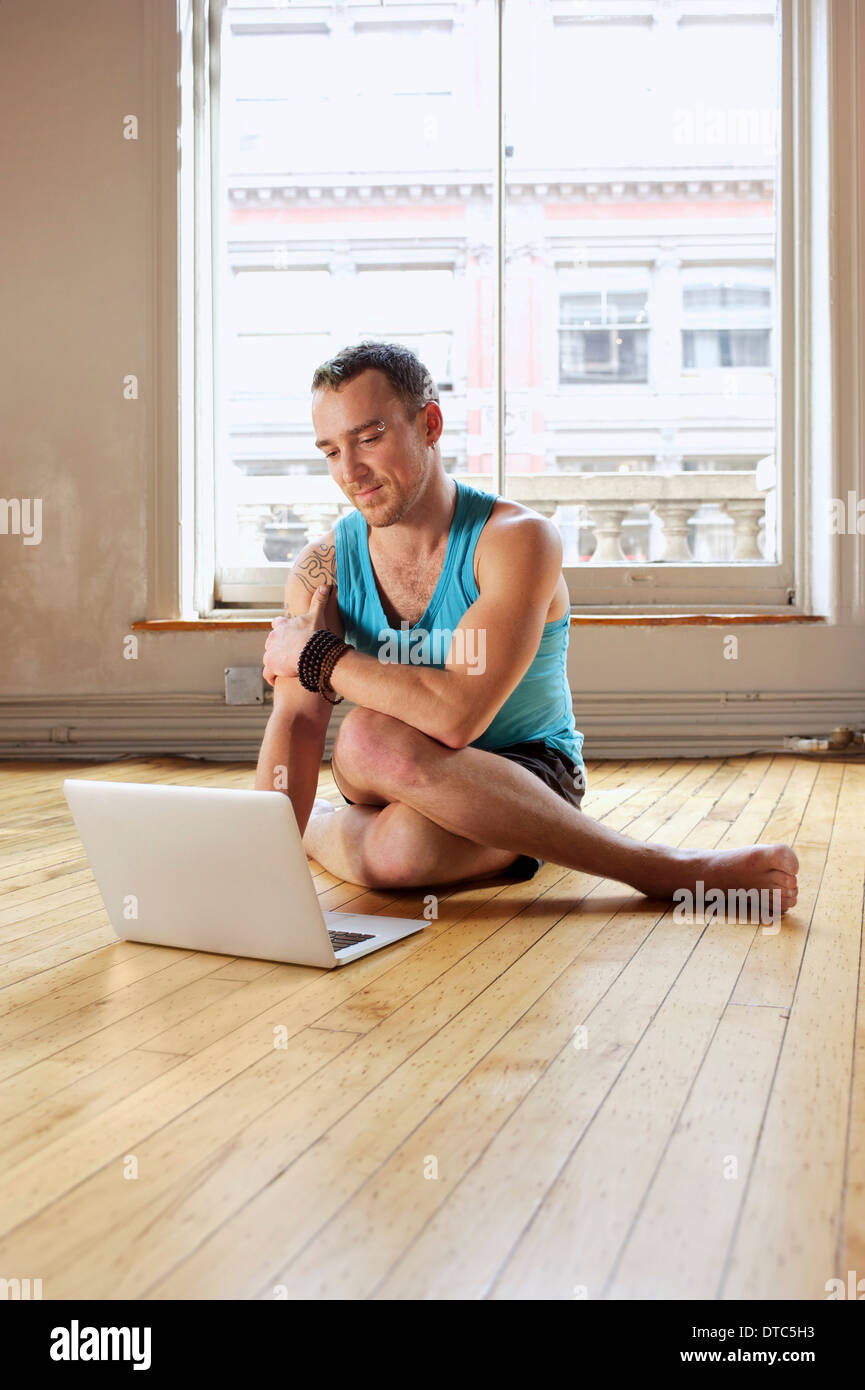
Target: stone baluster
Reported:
point(607, 518)
point(746, 514)
point(674, 519)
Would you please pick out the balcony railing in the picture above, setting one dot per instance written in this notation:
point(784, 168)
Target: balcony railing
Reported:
point(300, 509)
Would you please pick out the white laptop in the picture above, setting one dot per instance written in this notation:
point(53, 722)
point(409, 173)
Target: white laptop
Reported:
point(215, 869)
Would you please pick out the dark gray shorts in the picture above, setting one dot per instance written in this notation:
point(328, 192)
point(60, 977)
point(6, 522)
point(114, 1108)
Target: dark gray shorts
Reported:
point(556, 769)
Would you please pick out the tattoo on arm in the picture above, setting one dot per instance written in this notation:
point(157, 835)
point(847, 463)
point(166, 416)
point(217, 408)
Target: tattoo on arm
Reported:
point(318, 567)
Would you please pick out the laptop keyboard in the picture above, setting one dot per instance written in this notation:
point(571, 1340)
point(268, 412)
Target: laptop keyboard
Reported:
point(343, 939)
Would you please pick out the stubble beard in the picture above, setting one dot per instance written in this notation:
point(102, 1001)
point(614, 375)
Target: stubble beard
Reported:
point(398, 508)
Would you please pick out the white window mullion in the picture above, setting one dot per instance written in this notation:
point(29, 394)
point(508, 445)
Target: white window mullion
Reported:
point(499, 254)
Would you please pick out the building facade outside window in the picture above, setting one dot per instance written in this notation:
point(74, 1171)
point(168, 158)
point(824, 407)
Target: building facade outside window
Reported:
point(357, 195)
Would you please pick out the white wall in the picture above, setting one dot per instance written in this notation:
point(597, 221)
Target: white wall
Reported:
point(79, 273)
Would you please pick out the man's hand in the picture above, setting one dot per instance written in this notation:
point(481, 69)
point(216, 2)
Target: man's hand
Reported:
point(290, 635)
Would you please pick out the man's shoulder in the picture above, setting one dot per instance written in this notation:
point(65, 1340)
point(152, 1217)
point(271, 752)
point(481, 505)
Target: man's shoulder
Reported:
point(512, 524)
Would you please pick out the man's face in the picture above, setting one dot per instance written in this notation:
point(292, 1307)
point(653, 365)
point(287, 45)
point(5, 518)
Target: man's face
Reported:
point(377, 455)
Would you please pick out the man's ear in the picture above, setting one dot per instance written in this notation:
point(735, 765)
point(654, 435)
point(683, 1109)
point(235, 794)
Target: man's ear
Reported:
point(434, 422)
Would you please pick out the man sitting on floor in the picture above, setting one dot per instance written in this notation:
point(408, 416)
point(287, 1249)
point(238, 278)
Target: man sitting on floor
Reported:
point(461, 759)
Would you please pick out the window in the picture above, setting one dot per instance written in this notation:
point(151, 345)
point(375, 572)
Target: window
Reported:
point(642, 216)
point(603, 336)
point(358, 176)
point(727, 318)
point(354, 200)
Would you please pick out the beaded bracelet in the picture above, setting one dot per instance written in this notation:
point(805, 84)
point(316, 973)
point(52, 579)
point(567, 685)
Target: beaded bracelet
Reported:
point(325, 689)
point(310, 657)
point(316, 661)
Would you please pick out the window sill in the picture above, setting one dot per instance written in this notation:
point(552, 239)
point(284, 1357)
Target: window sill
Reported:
point(263, 624)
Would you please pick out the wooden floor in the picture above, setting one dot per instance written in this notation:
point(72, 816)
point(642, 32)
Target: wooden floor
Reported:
point(555, 1091)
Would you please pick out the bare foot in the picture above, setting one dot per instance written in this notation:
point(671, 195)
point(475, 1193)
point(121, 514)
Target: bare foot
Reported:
point(756, 866)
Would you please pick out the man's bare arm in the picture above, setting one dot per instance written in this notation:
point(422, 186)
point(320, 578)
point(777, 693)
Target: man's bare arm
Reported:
point(315, 565)
point(293, 744)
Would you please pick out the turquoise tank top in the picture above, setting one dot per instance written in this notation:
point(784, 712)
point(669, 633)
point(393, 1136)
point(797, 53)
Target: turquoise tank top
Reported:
point(538, 709)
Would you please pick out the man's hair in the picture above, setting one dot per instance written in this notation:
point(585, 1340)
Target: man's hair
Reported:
point(408, 376)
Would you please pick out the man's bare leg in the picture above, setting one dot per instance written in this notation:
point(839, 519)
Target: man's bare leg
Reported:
point(392, 846)
point(493, 802)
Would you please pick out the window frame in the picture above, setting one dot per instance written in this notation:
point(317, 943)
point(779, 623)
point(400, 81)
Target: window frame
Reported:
point(692, 586)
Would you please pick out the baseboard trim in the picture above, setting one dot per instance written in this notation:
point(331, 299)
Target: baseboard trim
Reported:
point(616, 725)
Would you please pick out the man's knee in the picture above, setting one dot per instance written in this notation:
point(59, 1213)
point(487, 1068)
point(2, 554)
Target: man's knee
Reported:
point(375, 749)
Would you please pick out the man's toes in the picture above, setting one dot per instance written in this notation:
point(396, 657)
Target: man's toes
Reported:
point(785, 860)
point(782, 880)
